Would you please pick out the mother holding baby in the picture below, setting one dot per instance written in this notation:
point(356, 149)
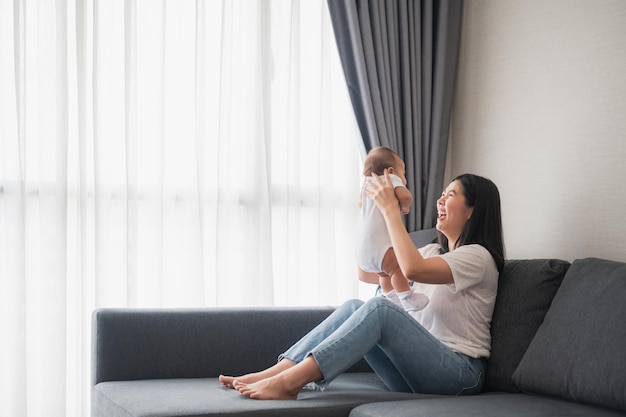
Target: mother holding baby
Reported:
point(439, 350)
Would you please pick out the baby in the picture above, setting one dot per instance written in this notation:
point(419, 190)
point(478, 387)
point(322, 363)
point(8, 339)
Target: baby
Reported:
point(374, 252)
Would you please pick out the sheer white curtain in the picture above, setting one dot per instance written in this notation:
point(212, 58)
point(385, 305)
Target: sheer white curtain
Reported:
point(163, 154)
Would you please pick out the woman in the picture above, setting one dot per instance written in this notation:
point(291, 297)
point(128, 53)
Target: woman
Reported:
point(443, 348)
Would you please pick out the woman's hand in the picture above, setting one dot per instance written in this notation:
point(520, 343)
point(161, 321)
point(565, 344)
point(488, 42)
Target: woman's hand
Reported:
point(430, 271)
point(381, 191)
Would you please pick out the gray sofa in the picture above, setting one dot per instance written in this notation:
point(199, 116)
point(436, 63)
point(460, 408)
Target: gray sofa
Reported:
point(559, 349)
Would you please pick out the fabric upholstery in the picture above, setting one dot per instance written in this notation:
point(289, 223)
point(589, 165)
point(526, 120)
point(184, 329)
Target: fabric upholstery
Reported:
point(195, 343)
point(165, 362)
point(525, 292)
point(423, 237)
point(195, 397)
point(486, 405)
point(579, 352)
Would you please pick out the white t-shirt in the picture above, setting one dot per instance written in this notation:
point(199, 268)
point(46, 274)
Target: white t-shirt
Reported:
point(460, 314)
point(372, 237)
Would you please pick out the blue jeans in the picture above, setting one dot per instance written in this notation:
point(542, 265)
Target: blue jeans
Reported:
point(405, 356)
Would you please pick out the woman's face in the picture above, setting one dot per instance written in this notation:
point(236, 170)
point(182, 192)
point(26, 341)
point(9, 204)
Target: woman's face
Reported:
point(452, 212)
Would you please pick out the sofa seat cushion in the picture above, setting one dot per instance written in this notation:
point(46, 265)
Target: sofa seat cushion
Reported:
point(579, 352)
point(484, 405)
point(195, 397)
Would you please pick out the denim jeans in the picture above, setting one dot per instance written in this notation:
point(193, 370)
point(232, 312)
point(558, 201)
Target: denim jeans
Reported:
point(405, 356)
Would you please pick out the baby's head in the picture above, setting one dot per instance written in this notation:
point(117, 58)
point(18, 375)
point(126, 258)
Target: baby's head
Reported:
point(381, 158)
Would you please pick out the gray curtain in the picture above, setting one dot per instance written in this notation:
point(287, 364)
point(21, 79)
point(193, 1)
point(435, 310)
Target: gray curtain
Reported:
point(400, 59)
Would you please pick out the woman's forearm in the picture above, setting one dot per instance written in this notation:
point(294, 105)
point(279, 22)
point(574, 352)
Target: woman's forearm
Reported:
point(430, 271)
point(407, 254)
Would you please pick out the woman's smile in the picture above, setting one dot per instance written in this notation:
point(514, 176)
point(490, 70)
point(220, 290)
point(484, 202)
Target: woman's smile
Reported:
point(452, 211)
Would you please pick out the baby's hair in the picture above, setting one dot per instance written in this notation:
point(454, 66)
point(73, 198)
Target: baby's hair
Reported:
point(378, 159)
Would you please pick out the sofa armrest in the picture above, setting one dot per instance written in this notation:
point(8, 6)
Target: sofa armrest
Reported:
point(132, 344)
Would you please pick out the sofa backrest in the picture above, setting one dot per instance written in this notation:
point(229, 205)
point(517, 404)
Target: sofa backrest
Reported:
point(133, 344)
point(525, 291)
point(579, 351)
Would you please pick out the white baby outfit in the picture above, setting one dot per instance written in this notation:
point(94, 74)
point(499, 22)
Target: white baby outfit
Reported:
point(372, 238)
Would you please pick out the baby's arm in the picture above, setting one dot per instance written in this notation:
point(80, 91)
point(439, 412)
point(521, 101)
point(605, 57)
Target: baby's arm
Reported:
point(405, 198)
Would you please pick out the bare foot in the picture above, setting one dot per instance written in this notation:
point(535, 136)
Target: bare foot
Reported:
point(232, 381)
point(283, 386)
point(274, 388)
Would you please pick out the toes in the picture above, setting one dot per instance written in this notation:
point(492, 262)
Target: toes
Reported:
point(226, 381)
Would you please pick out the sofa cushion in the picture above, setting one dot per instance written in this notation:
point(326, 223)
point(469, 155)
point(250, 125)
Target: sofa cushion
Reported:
point(525, 291)
point(579, 352)
point(484, 405)
point(195, 397)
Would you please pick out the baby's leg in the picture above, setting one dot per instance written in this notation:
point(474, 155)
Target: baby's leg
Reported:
point(384, 281)
point(391, 269)
point(387, 289)
point(410, 300)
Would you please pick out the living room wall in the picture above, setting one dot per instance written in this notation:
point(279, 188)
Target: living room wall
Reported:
point(540, 109)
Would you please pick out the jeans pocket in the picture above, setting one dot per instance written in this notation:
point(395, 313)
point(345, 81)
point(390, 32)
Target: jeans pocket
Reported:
point(473, 376)
point(474, 388)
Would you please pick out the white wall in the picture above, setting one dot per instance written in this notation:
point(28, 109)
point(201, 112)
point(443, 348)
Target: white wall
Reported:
point(541, 110)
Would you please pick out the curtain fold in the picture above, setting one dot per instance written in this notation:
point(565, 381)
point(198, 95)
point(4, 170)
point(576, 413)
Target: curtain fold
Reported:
point(158, 153)
point(399, 60)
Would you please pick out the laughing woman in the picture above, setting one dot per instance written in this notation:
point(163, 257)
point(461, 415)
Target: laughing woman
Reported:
point(441, 349)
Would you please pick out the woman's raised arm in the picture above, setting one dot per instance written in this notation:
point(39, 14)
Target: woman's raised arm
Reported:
point(432, 270)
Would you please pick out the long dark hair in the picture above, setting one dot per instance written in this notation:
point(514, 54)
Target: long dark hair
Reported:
point(485, 225)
